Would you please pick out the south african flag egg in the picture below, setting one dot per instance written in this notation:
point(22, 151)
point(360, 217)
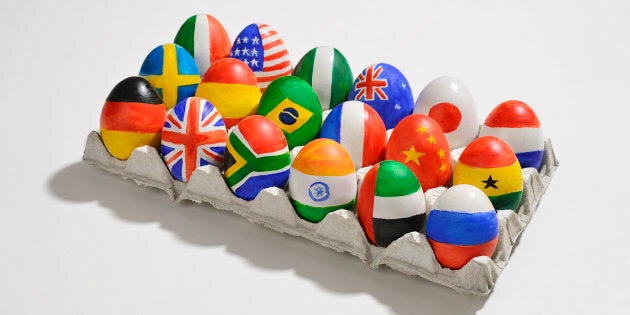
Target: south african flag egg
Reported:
point(390, 203)
point(257, 157)
point(489, 164)
point(322, 180)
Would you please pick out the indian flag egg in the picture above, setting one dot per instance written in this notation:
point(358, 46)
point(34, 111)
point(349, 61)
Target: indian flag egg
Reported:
point(132, 116)
point(489, 164)
point(390, 203)
point(205, 38)
point(257, 157)
point(462, 225)
point(359, 129)
point(232, 87)
point(516, 123)
point(322, 180)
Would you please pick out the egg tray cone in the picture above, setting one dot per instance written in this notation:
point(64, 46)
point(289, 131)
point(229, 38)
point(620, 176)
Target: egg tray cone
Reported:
point(340, 230)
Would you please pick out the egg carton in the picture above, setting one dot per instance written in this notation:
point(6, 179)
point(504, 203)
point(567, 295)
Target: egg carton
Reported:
point(340, 230)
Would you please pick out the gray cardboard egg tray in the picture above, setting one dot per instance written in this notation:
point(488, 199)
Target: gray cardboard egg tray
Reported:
point(340, 230)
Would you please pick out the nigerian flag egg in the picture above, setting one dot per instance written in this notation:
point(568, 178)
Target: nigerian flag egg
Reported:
point(489, 164)
point(359, 129)
point(517, 124)
point(205, 38)
point(322, 180)
point(462, 225)
point(390, 203)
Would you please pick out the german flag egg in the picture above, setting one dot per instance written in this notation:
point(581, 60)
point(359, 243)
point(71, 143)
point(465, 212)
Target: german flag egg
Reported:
point(205, 38)
point(489, 164)
point(257, 157)
point(462, 225)
point(419, 143)
point(390, 203)
point(359, 129)
point(322, 180)
point(231, 86)
point(132, 117)
point(517, 124)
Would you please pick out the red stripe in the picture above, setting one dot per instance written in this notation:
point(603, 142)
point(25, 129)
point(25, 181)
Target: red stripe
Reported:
point(174, 157)
point(273, 44)
point(262, 134)
point(134, 117)
point(212, 155)
point(211, 119)
point(365, 203)
point(230, 70)
point(513, 114)
point(172, 120)
point(374, 135)
point(487, 152)
point(271, 78)
point(279, 66)
point(455, 257)
point(277, 55)
point(219, 40)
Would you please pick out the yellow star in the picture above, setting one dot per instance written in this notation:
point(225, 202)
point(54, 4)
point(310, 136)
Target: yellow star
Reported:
point(422, 129)
point(431, 140)
point(441, 153)
point(443, 168)
point(413, 155)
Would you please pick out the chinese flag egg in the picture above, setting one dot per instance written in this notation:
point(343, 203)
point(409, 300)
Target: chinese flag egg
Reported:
point(419, 143)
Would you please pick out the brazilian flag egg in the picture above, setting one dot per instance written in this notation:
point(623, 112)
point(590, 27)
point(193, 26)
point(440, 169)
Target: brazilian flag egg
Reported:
point(489, 164)
point(390, 203)
point(322, 180)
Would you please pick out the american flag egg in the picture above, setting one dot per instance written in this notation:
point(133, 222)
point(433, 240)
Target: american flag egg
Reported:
point(322, 180)
point(172, 71)
point(450, 104)
point(386, 89)
point(489, 164)
point(390, 203)
point(462, 225)
point(359, 129)
point(264, 51)
point(193, 135)
point(205, 38)
point(419, 143)
point(132, 116)
point(257, 157)
point(516, 123)
point(231, 86)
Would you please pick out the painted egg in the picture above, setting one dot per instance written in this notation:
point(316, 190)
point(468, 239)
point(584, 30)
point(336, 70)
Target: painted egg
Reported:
point(462, 225)
point(390, 203)
point(292, 104)
point(489, 164)
point(172, 71)
point(257, 157)
point(328, 72)
point(517, 124)
point(419, 143)
point(205, 38)
point(231, 86)
point(450, 104)
point(386, 89)
point(132, 117)
point(262, 49)
point(359, 129)
point(322, 180)
point(194, 135)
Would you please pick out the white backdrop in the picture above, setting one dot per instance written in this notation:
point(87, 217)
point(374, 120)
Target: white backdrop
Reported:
point(77, 240)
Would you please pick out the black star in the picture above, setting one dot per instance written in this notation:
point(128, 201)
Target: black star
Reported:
point(490, 183)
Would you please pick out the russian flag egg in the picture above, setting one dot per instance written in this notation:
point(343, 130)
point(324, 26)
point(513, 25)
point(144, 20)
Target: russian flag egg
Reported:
point(322, 180)
point(489, 164)
point(205, 38)
point(359, 129)
point(419, 143)
point(386, 89)
point(517, 124)
point(257, 157)
point(390, 203)
point(450, 104)
point(462, 225)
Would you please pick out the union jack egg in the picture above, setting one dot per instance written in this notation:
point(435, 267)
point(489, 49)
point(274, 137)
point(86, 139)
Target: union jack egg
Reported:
point(205, 38)
point(172, 71)
point(257, 157)
point(359, 129)
point(328, 72)
point(386, 89)
point(450, 104)
point(193, 135)
point(390, 203)
point(462, 225)
point(262, 49)
point(132, 116)
point(322, 180)
point(292, 104)
point(489, 164)
point(419, 143)
point(517, 124)
point(232, 87)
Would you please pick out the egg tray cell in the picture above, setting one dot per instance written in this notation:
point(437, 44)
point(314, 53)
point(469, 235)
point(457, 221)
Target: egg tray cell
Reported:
point(340, 230)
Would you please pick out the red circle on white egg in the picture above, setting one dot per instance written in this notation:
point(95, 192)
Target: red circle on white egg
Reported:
point(446, 115)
